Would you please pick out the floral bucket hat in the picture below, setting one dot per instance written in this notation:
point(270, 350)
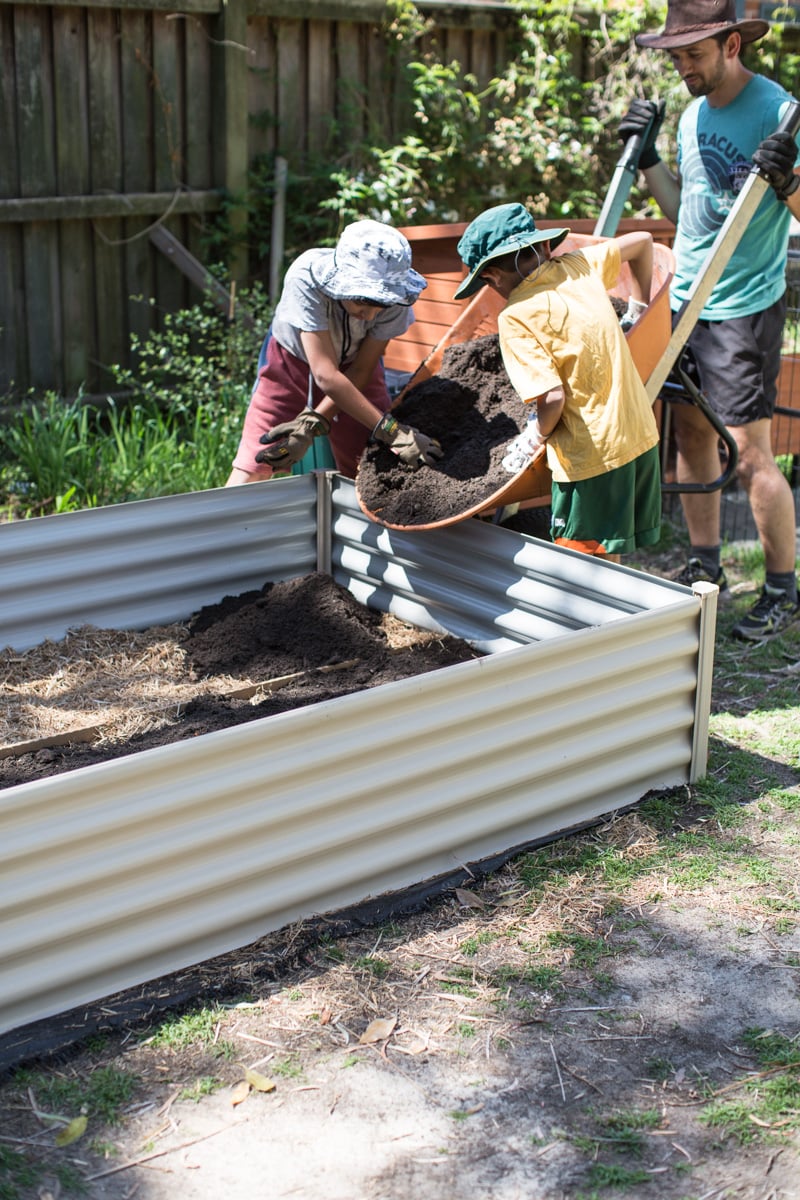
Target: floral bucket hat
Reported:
point(371, 261)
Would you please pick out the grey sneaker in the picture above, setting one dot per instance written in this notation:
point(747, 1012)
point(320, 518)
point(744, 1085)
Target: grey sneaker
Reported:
point(695, 572)
point(771, 613)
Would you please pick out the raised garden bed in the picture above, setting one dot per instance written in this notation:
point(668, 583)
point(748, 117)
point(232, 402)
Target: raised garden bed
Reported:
point(592, 687)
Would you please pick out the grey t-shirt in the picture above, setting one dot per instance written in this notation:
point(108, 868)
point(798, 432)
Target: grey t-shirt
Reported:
point(304, 308)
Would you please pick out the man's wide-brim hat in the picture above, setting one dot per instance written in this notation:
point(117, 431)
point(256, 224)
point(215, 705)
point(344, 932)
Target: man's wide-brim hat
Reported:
point(496, 232)
point(371, 261)
point(690, 21)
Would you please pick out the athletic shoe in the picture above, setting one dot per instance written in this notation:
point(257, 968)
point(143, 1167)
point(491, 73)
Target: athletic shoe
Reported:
point(695, 572)
point(771, 613)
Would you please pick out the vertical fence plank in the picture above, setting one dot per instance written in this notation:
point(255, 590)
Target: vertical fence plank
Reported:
point(321, 86)
point(484, 61)
point(229, 83)
point(197, 107)
point(72, 156)
point(37, 177)
point(351, 100)
point(138, 92)
point(291, 109)
point(386, 85)
point(168, 144)
point(262, 94)
point(105, 131)
point(13, 333)
point(457, 45)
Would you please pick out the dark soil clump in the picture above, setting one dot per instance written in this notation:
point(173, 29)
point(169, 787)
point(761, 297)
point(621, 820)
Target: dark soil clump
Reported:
point(309, 625)
point(471, 408)
point(295, 625)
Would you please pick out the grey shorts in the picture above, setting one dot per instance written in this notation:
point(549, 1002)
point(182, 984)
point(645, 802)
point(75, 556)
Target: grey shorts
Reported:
point(735, 363)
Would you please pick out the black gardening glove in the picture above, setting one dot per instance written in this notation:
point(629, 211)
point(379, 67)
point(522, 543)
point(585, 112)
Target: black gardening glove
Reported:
point(775, 158)
point(288, 443)
point(413, 448)
point(636, 121)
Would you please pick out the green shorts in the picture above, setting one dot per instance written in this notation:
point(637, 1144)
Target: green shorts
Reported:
point(613, 513)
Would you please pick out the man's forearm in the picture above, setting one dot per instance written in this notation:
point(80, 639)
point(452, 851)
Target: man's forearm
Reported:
point(665, 190)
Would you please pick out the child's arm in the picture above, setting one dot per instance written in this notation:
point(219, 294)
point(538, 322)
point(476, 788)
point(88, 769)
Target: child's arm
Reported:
point(410, 445)
point(549, 408)
point(341, 391)
point(359, 372)
point(637, 250)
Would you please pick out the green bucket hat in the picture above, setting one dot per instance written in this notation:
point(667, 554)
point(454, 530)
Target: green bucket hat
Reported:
point(494, 233)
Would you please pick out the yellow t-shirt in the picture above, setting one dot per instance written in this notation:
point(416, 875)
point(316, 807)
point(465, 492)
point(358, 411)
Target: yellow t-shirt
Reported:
point(559, 329)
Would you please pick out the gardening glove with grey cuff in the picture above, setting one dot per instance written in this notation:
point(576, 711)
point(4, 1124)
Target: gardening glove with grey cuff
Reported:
point(636, 122)
point(775, 158)
point(413, 448)
point(289, 442)
point(632, 313)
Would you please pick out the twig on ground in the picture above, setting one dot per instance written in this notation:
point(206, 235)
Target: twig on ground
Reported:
point(558, 1073)
point(135, 1162)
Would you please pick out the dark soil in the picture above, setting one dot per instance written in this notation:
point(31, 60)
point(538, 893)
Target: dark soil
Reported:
point(471, 408)
point(299, 625)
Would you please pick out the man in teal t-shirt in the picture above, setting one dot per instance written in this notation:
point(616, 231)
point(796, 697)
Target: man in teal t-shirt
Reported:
point(736, 342)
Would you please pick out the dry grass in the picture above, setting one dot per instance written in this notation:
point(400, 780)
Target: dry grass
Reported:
point(114, 683)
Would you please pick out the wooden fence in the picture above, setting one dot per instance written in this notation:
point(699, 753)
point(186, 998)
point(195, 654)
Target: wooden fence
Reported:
point(120, 118)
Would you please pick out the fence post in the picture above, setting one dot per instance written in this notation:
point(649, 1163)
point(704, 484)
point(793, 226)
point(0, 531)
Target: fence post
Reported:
point(230, 121)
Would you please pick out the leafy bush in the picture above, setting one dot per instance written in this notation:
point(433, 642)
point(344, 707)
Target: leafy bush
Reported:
point(176, 430)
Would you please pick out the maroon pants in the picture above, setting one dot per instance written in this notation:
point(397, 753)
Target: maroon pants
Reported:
point(282, 392)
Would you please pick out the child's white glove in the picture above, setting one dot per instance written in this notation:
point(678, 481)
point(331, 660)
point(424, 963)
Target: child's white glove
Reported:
point(632, 313)
point(521, 450)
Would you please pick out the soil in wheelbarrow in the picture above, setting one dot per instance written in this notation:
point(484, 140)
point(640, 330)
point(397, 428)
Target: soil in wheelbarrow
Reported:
point(471, 408)
point(304, 640)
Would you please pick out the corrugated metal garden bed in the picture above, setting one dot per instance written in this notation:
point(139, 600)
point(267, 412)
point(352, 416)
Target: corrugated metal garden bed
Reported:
point(594, 689)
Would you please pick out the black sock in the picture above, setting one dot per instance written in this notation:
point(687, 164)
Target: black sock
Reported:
point(778, 581)
point(709, 557)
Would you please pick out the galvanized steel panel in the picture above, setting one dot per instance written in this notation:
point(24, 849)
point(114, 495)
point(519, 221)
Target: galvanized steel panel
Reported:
point(489, 585)
point(153, 561)
point(120, 872)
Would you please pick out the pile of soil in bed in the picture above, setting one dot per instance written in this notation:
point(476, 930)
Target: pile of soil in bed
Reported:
point(471, 408)
point(309, 626)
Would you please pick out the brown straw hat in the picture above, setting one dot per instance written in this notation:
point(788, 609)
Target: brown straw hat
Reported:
point(690, 21)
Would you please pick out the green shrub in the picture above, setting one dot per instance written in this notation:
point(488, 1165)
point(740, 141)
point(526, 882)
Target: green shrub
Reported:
point(176, 430)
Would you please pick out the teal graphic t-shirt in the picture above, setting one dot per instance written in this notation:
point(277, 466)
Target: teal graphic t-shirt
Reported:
point(715, 149)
